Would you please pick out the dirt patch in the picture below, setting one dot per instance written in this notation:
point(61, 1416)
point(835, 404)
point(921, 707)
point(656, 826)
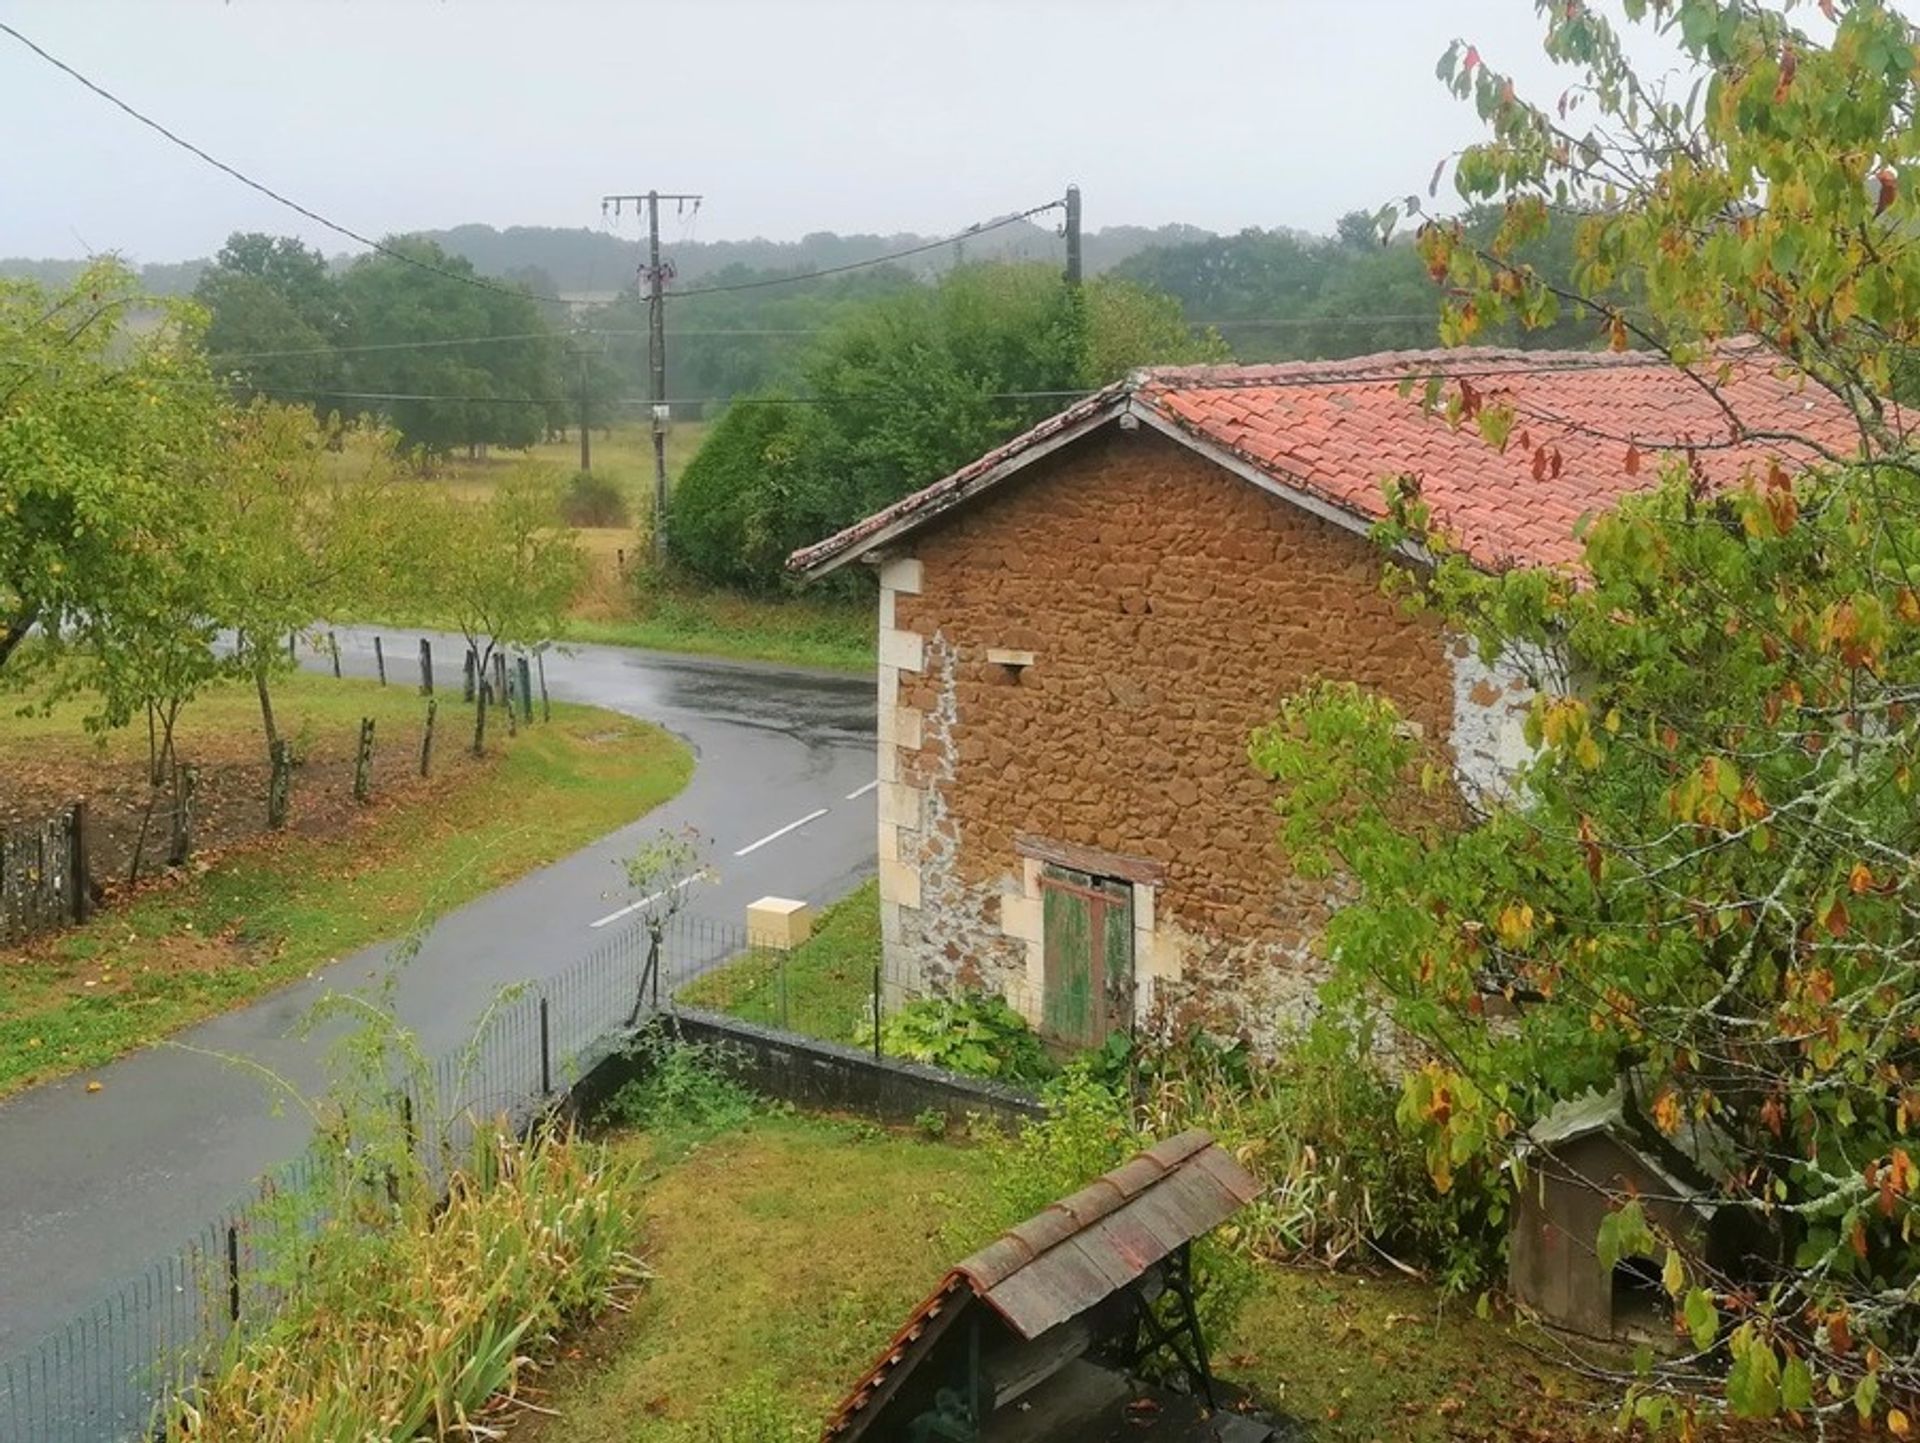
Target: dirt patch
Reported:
point(230, 803)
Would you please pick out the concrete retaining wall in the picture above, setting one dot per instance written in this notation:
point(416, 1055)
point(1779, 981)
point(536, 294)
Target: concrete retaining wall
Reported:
point(819, 1076)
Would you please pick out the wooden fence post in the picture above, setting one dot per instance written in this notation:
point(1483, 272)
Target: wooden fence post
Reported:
point(293, 647)
point(279, 782)
point(363, 761)
point(473, 676)
point(526, 689)
point(380, 661)
point(426, 667)
point(77, 861)
point(333, 646)
point(426, 740)
point(546, 705)
point(500, 676)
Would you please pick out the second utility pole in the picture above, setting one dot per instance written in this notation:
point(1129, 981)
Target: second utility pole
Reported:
point(657, 276)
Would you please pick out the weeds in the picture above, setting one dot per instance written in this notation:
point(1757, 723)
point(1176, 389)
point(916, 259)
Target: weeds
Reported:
point(684, 1093)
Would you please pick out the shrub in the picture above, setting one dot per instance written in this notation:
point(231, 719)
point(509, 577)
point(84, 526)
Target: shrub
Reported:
point(742, 503)
point(683, 1091)
point(594, 499)
point(1315, 1124)
point(977, 1034)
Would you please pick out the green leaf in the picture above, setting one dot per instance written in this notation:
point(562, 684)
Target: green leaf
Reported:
point(1796, 1384)
point(1702, 1318)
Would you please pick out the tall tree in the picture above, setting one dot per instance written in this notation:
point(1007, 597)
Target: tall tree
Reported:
point(1705, 894)
point(501, 571)
point(104, 437)
point(424, 338)
point(903, 391)
point(275, 316)
point(308, 526)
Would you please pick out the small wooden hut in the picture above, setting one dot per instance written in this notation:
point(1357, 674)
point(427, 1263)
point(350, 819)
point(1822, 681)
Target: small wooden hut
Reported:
point(1040, 1336)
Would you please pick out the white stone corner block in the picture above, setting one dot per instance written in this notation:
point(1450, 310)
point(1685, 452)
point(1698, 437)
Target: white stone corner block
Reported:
point(903, 650)
point(900, 883)
point(779, 922)
point(903, 573)
point(900, 805)
point(899, 726)
point(1142, 907)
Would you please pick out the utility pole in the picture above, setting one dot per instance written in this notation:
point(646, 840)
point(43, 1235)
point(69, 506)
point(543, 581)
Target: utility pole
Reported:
point(1073, 237)
point(586, 434)
point(657, 277)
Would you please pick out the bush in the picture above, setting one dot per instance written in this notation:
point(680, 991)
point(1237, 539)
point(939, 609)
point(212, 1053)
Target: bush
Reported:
point(683, 1091)
point(1316, 1125)
point(977, 1034)
point(594, 499)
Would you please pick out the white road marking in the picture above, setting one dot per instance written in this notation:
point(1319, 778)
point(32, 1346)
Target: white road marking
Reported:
point(859, 792)
point(683, 883)
point(776, 836)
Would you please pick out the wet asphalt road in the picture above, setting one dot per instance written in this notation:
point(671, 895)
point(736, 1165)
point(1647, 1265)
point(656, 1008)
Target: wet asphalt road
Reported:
point(94, 1186)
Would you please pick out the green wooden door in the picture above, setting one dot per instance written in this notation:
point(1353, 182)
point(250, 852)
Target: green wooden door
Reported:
point(1087, 942)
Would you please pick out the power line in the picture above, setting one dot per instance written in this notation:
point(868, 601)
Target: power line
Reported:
point(978, 229)
point(268, 191)
point(395, 396)
point(722, 331)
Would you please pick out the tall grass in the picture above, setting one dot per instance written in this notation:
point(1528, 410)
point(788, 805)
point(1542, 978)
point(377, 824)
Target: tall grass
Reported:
point(404, 1290)
point(415, 1319)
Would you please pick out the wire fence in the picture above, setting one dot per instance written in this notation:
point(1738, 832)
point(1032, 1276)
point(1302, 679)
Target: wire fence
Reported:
point(841, 994)
point(102, 1376)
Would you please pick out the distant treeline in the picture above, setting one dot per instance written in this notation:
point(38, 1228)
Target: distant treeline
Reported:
point(461, 344)
point(579, 261)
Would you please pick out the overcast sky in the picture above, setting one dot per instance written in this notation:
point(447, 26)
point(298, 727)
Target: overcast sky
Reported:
point(789, 115)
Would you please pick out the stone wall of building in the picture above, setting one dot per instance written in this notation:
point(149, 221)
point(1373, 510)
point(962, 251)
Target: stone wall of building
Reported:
point(1079, 659)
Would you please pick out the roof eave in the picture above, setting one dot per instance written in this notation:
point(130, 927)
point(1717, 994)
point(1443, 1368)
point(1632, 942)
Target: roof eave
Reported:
point(860, 547)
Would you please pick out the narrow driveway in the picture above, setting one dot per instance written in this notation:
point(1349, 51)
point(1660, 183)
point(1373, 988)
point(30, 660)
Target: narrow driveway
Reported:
point(93, 1186)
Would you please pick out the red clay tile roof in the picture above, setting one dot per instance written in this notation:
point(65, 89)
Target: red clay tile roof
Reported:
point(1334, 431)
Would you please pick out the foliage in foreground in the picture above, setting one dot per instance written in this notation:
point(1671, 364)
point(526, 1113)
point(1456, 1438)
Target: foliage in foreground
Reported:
point(977, 1033)
point(403, 1291)
point(1704, 888)
point(683, 1091)
point(412, 1320)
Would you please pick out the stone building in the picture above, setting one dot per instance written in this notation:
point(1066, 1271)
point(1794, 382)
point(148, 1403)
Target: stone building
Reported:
point(1079, 631)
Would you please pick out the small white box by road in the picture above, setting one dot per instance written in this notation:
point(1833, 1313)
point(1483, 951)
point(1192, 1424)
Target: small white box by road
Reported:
point(779, 922)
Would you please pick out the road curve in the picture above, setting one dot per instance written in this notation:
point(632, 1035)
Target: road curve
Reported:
point(94, 1186)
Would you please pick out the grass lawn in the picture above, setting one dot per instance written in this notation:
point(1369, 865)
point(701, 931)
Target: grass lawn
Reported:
point(623, 452)
point(681, 616)
point(824, 987)
point(786, 1253)
point(241, 921)
point(676, 614)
